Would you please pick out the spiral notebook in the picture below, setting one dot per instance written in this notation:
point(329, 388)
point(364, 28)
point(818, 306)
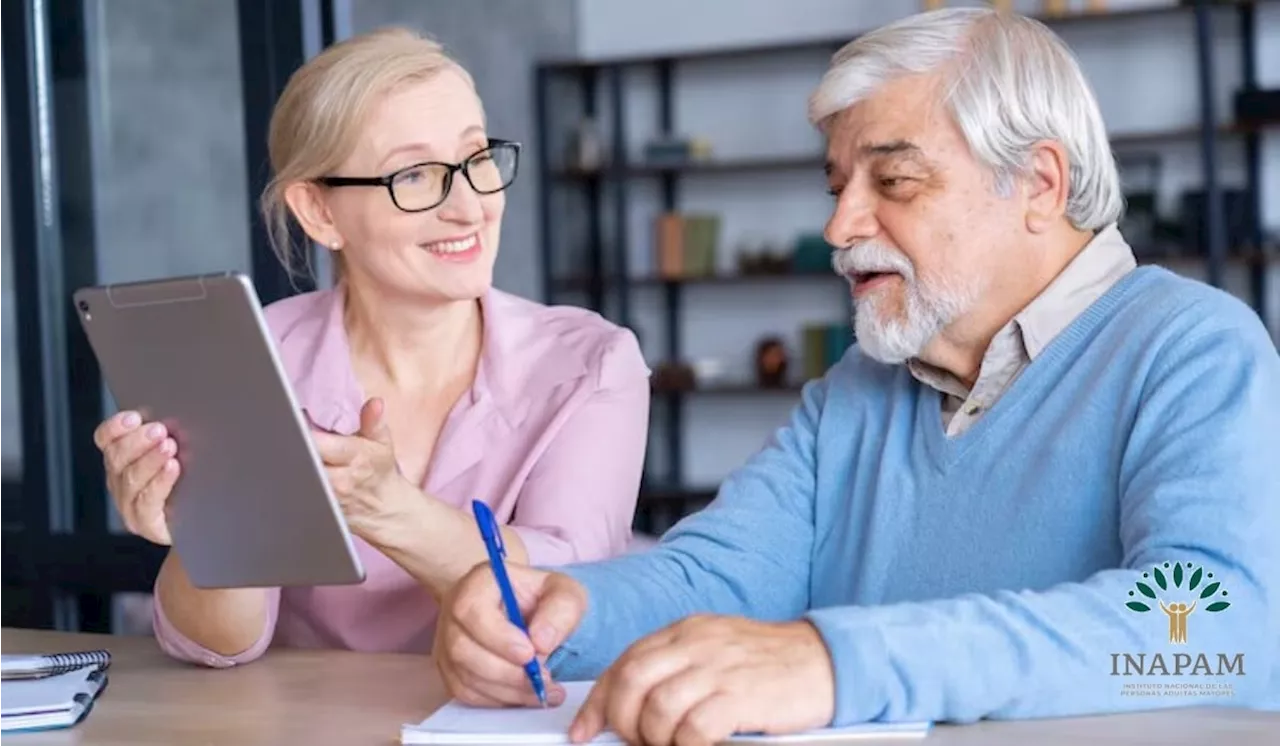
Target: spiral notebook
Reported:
point(50, 664)
point(55, 701)
point(457, 725)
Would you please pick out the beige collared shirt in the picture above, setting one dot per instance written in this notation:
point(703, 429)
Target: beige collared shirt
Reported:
point(1101, 263)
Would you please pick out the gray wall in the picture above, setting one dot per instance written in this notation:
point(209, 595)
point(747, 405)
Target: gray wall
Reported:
point(498, 41)
point(169, 165)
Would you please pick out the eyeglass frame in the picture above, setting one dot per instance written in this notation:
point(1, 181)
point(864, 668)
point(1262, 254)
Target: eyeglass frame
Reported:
point(388, 181)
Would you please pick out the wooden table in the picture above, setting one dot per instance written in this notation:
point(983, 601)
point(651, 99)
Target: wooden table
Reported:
point(315, 698)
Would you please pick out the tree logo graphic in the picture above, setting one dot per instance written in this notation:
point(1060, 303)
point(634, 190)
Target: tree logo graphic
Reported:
point(1173, 597)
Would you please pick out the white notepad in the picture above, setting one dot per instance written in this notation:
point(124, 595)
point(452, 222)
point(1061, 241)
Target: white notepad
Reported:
point(57, 701)
point(459, 725)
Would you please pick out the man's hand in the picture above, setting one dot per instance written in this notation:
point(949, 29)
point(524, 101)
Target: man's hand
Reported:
point(481, 654)
point(704, 679)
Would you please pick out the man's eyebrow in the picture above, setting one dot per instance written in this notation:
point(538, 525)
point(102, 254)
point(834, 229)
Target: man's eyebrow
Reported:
point(893, 147)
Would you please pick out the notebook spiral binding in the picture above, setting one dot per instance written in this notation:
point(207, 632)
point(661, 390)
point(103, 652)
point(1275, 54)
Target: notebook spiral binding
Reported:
point(57, 663)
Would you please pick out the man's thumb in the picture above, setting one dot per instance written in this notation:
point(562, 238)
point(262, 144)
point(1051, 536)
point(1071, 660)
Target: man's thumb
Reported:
point(557, 614)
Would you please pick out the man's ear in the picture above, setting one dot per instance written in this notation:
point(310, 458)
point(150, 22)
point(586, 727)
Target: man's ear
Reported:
point(307, 202)
point(1047, 183)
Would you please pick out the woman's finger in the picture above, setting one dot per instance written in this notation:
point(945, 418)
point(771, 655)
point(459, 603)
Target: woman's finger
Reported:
point(125, 450)
point(115, 426)
point(151, 501)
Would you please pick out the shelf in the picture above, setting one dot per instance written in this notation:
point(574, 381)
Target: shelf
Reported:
point(730, 389)
point(798, 162)
point(651, 495)
point(583, 283)
point(831, 44)
point(814, 161)
point(1248, 258)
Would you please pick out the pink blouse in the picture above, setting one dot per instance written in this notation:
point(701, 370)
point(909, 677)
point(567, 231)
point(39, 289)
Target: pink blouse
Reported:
point(552, 436)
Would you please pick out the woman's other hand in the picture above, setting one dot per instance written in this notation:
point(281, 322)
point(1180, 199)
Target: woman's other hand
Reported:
point(363, 472)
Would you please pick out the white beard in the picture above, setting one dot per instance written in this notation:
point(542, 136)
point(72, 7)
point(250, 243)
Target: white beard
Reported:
point(928, 310)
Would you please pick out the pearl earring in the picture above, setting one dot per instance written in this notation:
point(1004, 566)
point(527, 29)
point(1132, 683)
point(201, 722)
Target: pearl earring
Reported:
point(333, 245)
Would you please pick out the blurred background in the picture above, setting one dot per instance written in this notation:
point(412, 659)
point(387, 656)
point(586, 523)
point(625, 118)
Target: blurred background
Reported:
point(670, 181)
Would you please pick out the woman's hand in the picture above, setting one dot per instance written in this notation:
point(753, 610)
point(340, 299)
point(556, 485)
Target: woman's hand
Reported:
point(363, 473)
point(142, 466)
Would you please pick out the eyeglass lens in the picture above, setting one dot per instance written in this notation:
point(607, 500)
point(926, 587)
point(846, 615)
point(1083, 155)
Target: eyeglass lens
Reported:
point(491, 170)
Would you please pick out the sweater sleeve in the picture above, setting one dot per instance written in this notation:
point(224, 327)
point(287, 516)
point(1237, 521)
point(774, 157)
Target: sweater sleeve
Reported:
point(1198, 488)
point(747, 553)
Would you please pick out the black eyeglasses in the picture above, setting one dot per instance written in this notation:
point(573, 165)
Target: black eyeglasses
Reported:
point(423, 186)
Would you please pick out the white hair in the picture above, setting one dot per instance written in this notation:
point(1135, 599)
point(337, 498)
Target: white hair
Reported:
point(1008, 81)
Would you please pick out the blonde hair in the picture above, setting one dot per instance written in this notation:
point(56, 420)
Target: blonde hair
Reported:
point(317, 120)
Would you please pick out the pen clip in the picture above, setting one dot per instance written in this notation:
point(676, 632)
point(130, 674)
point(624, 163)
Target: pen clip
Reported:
point(489, 530)
point(497, 535)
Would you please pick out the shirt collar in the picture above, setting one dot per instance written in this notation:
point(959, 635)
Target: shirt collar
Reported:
point(1099, 265)
point(1102, 262)
point(513, 371)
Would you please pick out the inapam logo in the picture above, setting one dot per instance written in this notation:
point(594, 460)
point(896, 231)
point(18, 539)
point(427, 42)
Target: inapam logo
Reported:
point(1177, 602)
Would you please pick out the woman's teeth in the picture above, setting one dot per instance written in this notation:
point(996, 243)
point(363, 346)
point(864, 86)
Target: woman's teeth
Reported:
point(452, 247)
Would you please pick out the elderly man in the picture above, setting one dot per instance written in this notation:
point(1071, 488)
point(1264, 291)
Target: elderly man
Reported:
point(1044, 482)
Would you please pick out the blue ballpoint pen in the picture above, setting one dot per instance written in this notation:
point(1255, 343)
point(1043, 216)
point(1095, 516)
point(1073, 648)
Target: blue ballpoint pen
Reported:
point(493, 543)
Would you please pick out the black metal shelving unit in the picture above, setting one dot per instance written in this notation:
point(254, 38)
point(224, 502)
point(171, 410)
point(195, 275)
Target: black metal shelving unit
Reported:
point(603, 275)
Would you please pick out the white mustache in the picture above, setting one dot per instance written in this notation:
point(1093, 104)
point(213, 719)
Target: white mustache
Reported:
point(871, 257)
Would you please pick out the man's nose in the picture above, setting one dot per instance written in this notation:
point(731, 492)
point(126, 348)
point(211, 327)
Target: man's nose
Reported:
point(853, 220)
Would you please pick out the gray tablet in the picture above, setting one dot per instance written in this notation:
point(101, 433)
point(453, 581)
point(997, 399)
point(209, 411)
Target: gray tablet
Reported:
point(252, 506)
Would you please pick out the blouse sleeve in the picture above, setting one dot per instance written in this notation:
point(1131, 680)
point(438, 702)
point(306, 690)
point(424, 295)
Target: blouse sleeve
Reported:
point(183, 648)
point(579, 500)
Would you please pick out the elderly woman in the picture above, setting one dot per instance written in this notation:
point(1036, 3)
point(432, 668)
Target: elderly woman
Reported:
point(426, 386)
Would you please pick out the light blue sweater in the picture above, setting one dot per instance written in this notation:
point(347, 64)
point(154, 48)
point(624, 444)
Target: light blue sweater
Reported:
point(990, 574)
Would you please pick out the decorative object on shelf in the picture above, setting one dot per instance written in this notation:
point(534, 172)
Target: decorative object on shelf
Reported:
point(685, 245)
point(1142, 174)
point(1237, 215)
point(676, 151)
point(1139, 223)
point(668, 376)
point(1257, 108)
point(771, 363)
point(586, 150)
point(764, 261)
point(708, 371)
point(669, 245)
point(812, 254)
point(824, 345)
point(1056, 7)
